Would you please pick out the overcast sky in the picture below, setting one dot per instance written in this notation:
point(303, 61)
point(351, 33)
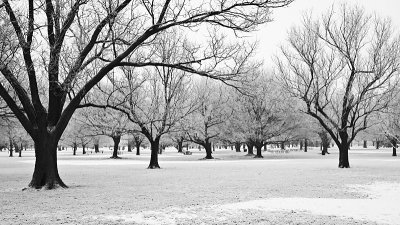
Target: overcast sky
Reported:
point(273, 34)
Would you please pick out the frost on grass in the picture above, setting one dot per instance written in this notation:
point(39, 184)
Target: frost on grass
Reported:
point(379, 207)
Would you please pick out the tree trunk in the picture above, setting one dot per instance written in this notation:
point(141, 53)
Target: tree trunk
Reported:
point(137, 148)
point(116, 140)
point(208, 149)
point(154, 146)
point(11, 149)
point(301, 144)
point(259, 150)
point(237, 146)
point(282, 145)
point(46, 172)
point(129, 146)
point(180, 146)
point(325, 147)
point(250, 152)
point(20, 151)
point(305, 145)
point(83, 149)
point(344, 156)
point(365, 144)
point(96, 148)
point(75, 147)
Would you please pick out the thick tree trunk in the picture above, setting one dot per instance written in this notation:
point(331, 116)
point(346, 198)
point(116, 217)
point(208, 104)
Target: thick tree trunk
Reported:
point(208, 149)
point(259, 150)
point(344, 156)
point(250, 146)
point(365, 144)
point(394, 151)
point(237, 146)
point(45, 174)
point(96, 148)
point(83, 149)
point(154, 146)
point(129, 146)
point(282, 145)
point(301, 145)
point(116, 140)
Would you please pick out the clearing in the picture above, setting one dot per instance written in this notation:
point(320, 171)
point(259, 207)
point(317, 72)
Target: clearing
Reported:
point(283, 188)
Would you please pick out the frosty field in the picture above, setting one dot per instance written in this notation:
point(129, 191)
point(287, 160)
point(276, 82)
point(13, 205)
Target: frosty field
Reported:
point(292, 188)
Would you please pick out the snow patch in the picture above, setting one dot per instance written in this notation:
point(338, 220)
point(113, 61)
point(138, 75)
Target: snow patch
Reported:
point(380, 206)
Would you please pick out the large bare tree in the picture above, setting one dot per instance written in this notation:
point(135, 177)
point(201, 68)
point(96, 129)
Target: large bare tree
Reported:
point(344, 67)
point(58, 42)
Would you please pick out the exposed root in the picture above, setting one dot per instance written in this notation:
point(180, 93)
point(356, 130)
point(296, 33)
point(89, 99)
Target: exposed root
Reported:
point(205, 158)
point(258, 156)
point(48, 186)
point(342, 166)
point(154, 167)
point(115, 157)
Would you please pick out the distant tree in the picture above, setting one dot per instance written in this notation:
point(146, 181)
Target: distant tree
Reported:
point(343, 66)
point(265, 114)
point(203, 125)
point(105, 122)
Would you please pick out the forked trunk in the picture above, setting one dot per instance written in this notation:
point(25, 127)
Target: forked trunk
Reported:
point(45, 174)
point(116, 140)
point(208, 148)
point(154, 146)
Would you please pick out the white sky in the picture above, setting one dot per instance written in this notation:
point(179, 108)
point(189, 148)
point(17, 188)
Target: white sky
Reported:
point(273, 34)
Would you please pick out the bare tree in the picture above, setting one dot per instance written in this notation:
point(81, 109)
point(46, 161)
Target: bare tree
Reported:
point(59, 41)
point(203, 125)
point(343, 66)
point(264, 114)
point(105, 122)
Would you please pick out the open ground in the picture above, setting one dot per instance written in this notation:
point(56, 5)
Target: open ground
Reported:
point(286, 188)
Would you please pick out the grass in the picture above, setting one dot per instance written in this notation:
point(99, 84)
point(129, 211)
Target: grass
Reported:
point(188, 190)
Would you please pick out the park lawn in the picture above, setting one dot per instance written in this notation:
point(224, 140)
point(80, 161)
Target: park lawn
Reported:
point(283, 188)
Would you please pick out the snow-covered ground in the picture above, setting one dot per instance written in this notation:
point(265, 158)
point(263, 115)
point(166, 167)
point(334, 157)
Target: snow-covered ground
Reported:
point(282, 188)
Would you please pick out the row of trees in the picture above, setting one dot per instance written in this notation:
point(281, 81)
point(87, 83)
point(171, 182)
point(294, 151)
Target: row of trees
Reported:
point(117, 67)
